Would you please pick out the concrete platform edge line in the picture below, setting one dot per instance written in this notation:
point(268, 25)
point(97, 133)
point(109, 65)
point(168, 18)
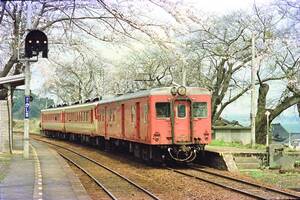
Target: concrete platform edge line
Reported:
point(37, 189)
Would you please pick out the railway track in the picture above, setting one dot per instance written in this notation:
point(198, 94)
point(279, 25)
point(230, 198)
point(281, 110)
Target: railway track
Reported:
point(234, 184)
point(115, 185)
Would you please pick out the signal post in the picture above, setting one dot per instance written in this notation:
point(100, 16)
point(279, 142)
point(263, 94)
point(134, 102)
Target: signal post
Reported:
point(36, 41)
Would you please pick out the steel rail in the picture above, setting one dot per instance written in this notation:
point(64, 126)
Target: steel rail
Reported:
point(105, 167)
point(216, 183)
point(247, 182)
point(223, 185)
point(90, 175)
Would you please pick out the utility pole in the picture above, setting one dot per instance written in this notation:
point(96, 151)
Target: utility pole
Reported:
point(267, 113)
point(27, 92)
point(10, 118)
point(184, 65)
point(253, 74)
point(268, 128)
point(184, 76)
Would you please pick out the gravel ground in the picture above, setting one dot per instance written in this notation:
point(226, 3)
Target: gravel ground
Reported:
point(163, 183)
point(91, 187)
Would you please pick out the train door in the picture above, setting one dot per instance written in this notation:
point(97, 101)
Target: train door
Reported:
point(63, 121)
point(105, 122)
point(123, 120)
point(182, 127)
point(137, 121)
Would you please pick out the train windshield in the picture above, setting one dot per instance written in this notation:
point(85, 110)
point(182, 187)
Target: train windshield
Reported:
point(162, 109)
point(200, 109)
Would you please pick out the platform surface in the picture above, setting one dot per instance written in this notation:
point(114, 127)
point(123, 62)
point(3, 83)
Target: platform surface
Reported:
point(44, 175)
point(232, 150)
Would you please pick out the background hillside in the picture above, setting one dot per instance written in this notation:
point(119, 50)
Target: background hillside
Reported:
point(36, 105)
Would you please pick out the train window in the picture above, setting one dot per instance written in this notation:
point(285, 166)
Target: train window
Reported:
point(181, 111)
point(99, 114)
point(110, 115)
point(103, 115)
point(133, 113)
point(200, 109)
point(145, 113)
point(162, 109)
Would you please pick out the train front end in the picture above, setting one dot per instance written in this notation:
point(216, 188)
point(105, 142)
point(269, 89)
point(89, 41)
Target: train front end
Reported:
point(181, 122)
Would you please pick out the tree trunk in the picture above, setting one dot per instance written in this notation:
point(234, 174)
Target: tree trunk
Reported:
point(261, 130)
point(260, 119)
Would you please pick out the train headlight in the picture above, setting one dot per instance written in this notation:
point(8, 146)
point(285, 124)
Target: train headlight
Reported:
point(173, 91)
point(181, 90)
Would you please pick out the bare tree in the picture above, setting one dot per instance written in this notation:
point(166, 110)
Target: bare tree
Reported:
point(152, 67)
point(286, 62)
point(282, 61)
point(76, 80)
point(61, 20)
point(223, 49)
point(219, 54)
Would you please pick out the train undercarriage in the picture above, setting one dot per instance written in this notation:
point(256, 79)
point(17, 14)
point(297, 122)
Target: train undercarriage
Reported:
point(149, 153)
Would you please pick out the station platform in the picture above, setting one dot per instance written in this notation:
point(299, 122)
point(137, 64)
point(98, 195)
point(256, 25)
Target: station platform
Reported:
point(234, 159)
point(233, 150)
point(44, 175)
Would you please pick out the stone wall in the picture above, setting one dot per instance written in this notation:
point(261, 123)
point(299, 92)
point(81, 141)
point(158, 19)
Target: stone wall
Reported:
point(232, 134)
point(4, 140)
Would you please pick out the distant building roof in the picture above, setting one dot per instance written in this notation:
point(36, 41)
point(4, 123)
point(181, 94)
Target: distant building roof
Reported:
point(279, 133)
point(296, 136)
point(293, 137)
point(295, 133)
point(223, 122)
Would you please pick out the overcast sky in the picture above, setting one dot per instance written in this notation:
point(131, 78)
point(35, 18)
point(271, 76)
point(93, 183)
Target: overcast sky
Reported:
point(223, 6)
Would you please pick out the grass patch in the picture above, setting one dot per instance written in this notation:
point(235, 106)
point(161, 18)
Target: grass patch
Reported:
point(221, 143)
point(34, 125)
point(287, 180)
point(257, 174)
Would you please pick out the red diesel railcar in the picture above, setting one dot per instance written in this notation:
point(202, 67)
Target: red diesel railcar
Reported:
point(153, 124)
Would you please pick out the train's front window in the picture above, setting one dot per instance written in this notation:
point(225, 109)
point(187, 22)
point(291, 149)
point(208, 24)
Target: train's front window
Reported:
point(200, 109)
point(162, 109)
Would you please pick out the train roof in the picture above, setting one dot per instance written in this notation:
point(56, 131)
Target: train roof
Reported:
point(142, 93)
point(154, 91)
